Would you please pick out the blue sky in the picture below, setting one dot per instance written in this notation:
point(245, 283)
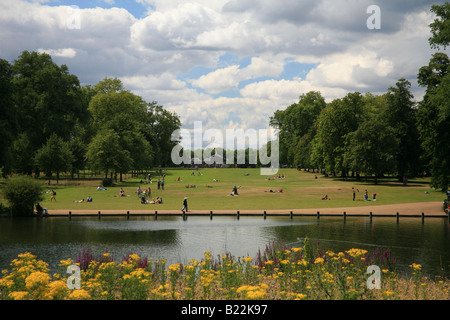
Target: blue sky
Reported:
point(227, 63)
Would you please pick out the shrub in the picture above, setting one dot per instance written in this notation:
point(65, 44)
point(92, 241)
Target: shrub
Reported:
point(107, 182)
point(22, 193)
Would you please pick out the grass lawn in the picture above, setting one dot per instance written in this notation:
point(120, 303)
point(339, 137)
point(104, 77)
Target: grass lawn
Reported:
point(300, 190)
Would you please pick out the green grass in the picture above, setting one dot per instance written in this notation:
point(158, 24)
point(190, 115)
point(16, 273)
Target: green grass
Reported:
point(301, 190)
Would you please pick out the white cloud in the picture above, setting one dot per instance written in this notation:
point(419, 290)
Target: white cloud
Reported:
point(228, 78)
point(64, 52)
point(152, 55)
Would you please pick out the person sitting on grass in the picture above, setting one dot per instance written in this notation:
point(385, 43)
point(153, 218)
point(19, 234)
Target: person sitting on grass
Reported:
point(325, 197)
point(40, 210)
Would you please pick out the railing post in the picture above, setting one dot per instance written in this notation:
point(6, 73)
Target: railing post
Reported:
point(423, 217)
point(210, 214)
point(398, 217)
point(291, 215)
point(370, 215)
point(70, 215)
point(99, 214)
point(128, 215)
point(318, 215)
point(265, 214)
point(237, 214)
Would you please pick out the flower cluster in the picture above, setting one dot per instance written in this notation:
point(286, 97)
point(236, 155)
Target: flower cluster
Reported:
point(279, 273)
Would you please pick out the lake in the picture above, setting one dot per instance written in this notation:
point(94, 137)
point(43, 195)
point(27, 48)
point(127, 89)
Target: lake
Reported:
point(56, 238)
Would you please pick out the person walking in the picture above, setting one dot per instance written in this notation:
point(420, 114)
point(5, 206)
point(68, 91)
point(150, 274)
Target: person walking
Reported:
point(53, 196)
point(354, 193)
point(185, 205)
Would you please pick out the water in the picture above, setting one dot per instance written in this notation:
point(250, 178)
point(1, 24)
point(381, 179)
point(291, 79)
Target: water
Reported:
point(56, 238)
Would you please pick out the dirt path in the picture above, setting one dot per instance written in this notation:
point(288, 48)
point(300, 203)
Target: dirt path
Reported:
point(428, 208)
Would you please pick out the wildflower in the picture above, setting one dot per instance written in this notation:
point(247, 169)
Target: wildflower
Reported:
point(79, 294)
point(174, 267)
point(300, 296)
point(57, 290)
point(319, 260)
point(36, 279)
point(416, 267)
point(18, 295)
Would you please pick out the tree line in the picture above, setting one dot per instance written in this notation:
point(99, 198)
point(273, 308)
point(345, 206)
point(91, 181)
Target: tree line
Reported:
point(51, 123)
point(377, 135)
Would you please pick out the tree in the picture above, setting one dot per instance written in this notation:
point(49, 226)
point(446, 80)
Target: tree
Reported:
point(372, 148)
point(297, 123)
point(55, 156)
point(126, 114)
point(7, 115)
point(106, 153)
point(339, 118)
point(46, 98)
point(22, 193)
point(400, 114)
point(433, 124)
point(434, 110)
point(159, 126)
point(440, 28)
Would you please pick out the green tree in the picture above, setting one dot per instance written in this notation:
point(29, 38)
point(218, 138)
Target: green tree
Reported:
point(339, 118)
point(400, 114)
point(23, 154)
point(296, 123)
point(434, 109)
point(440, 28)
point(126, 114)
point(47, 99)
point(55, 156)
point(372, 148)
point(22, 193)
point(8, 125)
point(159, 126)
point(106, 153)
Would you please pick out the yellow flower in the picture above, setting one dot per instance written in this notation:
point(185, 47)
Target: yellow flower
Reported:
point(79, 294)
point(57, 290)
point(36, 280)
point(319, 260)
point(416, 266)
point(300, 296)
point(175, 267)
point(18, 295)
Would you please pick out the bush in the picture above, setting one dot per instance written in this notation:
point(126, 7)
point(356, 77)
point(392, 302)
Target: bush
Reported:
point(22, 193)
point(107, 182)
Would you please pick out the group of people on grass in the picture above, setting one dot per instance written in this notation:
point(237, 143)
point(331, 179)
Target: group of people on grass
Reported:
point(366, 195)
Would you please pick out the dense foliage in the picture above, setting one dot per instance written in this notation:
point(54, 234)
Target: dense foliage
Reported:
point(52, 124)
point(376, 135)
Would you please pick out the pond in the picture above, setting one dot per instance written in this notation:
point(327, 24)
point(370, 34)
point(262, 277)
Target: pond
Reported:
point(57, 238)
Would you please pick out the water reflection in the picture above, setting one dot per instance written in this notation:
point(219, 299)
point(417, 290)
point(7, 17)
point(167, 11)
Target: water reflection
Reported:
point(56, 238)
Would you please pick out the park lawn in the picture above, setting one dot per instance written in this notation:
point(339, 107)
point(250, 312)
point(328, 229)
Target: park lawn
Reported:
point(301, 190)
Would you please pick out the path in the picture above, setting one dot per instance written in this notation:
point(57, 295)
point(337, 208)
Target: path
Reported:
point(428, 208)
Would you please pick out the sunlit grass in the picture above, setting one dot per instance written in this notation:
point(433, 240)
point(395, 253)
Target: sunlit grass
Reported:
point(300, 190)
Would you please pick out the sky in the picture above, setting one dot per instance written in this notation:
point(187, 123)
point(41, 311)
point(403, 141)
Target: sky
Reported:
point(227, 63)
